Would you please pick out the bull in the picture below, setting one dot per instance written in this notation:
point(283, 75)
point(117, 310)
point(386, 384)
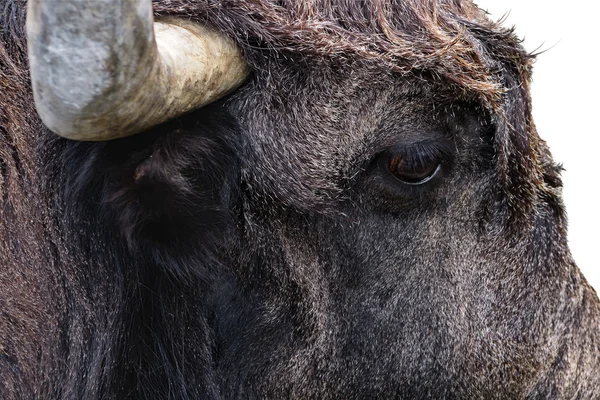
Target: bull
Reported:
point(280, 199)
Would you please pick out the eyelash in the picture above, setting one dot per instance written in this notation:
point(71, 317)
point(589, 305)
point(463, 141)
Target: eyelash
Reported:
point(427, 157)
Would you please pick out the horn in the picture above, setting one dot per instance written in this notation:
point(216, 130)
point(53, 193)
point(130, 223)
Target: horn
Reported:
point(103, 69)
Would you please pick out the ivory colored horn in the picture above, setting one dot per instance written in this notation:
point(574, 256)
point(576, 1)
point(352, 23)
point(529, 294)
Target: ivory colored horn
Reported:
point(103, 69)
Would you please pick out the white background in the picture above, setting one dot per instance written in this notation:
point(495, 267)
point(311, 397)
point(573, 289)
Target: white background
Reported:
point(566, 107)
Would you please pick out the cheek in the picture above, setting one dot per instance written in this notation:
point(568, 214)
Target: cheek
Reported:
point(393, 237)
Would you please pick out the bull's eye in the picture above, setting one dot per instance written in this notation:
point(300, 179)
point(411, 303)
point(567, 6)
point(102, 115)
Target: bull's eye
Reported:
point(413, 170)
point(417, 163)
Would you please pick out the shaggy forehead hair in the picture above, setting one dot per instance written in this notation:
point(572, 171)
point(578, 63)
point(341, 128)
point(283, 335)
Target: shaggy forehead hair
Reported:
point(449, 42)
point(449, 39)
point(444, 38)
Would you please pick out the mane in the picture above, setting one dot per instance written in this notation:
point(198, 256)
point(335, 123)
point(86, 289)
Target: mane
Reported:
point(16, 110)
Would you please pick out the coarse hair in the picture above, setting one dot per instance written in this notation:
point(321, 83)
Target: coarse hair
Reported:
point(438, 37)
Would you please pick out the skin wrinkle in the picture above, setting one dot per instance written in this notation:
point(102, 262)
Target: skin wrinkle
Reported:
point(257, 249)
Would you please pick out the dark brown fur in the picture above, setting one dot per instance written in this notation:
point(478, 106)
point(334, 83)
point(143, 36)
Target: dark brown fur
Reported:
point(254, 249)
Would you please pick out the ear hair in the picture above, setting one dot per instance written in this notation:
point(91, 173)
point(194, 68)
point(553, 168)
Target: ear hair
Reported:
point(166, 192)
point(177, 190)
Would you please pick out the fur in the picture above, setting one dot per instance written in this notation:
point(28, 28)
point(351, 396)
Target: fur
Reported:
point(258, 249)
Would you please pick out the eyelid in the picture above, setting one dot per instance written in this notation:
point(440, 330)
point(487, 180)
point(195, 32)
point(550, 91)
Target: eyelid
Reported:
point(424, 149)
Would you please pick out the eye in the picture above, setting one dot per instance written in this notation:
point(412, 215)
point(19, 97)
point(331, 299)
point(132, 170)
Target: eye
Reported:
point(417, 164)
point(413, 171)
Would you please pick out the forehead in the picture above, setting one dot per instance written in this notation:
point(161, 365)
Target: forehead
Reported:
point(305, 134)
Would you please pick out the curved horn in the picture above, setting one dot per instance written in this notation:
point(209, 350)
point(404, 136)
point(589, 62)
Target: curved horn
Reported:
point(102, 69)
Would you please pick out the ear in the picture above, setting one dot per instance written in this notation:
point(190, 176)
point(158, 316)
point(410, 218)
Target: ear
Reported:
point(166, 193)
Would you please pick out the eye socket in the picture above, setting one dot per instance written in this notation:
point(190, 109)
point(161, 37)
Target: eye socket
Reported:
point(413, 171)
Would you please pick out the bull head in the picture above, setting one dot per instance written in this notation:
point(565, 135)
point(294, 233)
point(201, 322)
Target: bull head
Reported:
point(102, 69)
